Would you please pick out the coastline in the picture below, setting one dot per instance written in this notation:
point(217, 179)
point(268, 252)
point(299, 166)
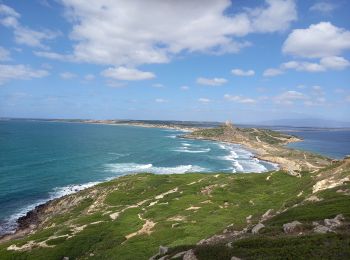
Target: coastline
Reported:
point(31, 220)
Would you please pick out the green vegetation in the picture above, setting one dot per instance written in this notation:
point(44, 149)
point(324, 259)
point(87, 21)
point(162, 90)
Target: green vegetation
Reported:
point(130, 217)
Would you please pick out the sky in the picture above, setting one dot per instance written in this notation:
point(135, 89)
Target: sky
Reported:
point(201, 60)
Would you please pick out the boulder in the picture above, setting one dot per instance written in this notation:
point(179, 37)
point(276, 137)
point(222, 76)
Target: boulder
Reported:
point(322, 229)
point(163, 250)
point(268, 214)
point(235, 258)
point(190, 255)
point(257, 228)
point(334, 222)
point(292, 227)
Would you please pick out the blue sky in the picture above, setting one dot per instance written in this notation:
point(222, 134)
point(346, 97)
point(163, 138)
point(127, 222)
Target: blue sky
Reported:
point(245, 61)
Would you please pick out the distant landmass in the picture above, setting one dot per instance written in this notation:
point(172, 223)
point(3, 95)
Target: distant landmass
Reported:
point(306, 122)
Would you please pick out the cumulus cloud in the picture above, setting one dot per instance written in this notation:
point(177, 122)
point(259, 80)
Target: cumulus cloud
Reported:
point(275, 16)
point(334, 62)
point(326, 63)
point(123, 73)
point(67, 75)
point(211, 82)
point(24, 35)
point(318, 41)
point(239, 99)
point(143, 37)
point(271, 72)
point(303, 66)
point(11, 72)
point(242, 73)
point(4, 54)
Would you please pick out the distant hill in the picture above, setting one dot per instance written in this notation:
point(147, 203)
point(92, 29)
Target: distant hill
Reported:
point(306, 122)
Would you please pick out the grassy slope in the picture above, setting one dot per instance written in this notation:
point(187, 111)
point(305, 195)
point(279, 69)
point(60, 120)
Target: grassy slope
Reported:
point(231, 202)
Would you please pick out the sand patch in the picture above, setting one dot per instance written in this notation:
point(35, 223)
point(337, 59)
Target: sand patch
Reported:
point(146, 228)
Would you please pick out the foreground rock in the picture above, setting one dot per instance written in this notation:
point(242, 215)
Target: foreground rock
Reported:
point(257, 228)
point(292, 227)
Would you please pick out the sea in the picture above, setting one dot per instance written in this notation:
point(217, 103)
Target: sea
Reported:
point(41, 160)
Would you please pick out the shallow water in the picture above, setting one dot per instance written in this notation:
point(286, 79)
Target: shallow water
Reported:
point(44, 160)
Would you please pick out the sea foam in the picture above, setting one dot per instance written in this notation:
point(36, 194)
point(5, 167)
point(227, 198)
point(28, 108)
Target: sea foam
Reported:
point(135, 168)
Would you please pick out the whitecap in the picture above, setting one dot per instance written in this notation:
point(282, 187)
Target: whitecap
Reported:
point(182, 150)
point(134, 168)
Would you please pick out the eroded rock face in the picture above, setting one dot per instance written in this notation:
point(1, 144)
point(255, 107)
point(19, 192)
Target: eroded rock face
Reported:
point(292, 227)
point(257, 228)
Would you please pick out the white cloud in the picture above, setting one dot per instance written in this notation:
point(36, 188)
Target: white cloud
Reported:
point(239, 72)
point(11, 72)
point(303, 66)
point(239, 99)
point(8, 11)
point(123, 73)
point(184, 88)
point(24, 35)
point(326, 63)
point(323, 7)
point(4, 54)
point(161, 100)
point(143, 37)
point(67, 75)
point(204, 100)
point(277, 16)
point(211, 82)
point(318, 41)
point(289, 97)
point(271, 72)
point(33, 38)
point(334, 62)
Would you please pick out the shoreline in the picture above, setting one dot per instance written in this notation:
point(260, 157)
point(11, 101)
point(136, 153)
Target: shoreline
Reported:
point(29, 221)
point(29, 217)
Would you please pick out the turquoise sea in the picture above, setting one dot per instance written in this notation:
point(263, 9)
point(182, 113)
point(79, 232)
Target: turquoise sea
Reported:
point(44, 160)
